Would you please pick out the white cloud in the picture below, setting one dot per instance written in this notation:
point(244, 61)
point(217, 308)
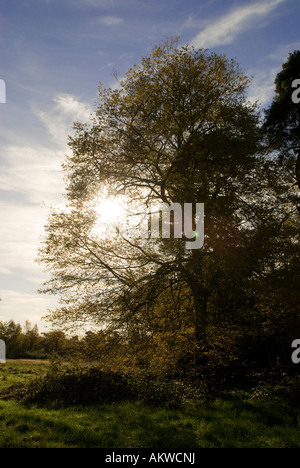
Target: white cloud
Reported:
point(95, 3)
point(20, 231)
point(31, 180)
point(5, 271)
point(111, 20)
point(59, 119)
point(34, 173)
point(281, 53)
point(29, 177)
point(228, 27)
point(262, 88)
point(21, 306)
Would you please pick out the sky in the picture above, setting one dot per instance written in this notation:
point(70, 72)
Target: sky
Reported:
point(54, 54)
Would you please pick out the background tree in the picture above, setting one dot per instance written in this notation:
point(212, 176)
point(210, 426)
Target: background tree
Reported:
point(11, 333)
point(32, 338)
point(55, 342)
point(282, 120)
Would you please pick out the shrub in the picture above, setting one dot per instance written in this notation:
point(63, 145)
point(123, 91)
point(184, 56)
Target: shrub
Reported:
point(90, 385)
point(80, 386)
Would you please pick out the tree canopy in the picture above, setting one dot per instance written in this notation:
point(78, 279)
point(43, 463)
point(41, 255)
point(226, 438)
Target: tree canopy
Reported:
point(178, 129)
point(282, 121)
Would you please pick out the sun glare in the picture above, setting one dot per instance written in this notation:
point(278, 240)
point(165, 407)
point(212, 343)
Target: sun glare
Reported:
point(109, 214)
point(109, 211)
point(116, 215)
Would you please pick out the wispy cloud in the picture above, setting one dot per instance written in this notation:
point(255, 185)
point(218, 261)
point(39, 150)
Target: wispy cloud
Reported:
point(262, 88)
point(95, 3)
point(32, 172)
point(59, 119)
point(281, 53)
point(31, 180)
point(20, 231)
point(225, 29)
point(29, 307)
point(110, 20)
point(32, 177)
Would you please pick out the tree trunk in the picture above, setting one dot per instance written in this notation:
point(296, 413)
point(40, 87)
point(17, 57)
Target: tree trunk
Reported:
point(298, 176)
point(200, 310)
point(200, 296)
point(200, 324)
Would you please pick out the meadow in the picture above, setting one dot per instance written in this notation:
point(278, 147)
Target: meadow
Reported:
point(202, 424)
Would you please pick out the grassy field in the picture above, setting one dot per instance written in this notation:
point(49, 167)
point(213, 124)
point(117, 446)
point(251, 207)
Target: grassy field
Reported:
point(21, 371)
point(133, 425)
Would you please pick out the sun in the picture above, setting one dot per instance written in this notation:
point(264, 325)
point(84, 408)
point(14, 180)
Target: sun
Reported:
point(110, 215)
point(116, 216)
point(109, 211)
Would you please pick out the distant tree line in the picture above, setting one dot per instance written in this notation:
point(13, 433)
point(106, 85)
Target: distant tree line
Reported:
point(26, 342)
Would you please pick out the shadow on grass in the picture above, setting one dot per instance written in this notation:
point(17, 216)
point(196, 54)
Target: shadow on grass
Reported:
point(132, 425)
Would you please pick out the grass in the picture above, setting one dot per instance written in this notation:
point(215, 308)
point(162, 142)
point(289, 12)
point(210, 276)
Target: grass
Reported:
point(21, 371)
point(228, 424)
point(131, 425)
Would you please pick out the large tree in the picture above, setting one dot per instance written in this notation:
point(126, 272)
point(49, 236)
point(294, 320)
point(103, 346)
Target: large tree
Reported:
point(178, 129)
point(282, 121)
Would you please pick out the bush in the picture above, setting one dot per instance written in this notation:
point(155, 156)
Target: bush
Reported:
point(90, 385)
point(71, 387)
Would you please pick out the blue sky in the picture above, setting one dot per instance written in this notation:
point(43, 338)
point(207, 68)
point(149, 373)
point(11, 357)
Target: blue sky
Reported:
point(54, 53)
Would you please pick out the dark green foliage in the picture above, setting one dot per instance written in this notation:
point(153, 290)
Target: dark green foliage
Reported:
point(87, 386)
point(283, 116)
point(69, 387)
point(282, 122)
point(27, 343)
